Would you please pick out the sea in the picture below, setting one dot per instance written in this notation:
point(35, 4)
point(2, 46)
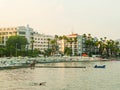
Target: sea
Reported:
point(73, 78)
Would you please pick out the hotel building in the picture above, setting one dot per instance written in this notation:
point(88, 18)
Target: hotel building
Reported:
point(41, 41)
point(26, 32)
point(5, 33)
point(71, 43)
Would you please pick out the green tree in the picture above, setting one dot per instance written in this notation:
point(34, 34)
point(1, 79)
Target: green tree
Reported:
point(48, 42)
point(56, 44)
point(32, 45)
point(2, 51)
point(15, 43)
point(53, 43)
point(68, 51)
point(47, 52)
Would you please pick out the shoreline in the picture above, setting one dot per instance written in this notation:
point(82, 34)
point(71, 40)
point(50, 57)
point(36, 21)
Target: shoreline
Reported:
point(23, 62)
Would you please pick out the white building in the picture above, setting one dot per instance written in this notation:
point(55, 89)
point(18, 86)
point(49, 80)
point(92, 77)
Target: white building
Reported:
point(41, 41)
point(27, 32)
point(80, 41)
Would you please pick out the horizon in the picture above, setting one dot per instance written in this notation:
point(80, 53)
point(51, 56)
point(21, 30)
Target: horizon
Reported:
point(62, 17)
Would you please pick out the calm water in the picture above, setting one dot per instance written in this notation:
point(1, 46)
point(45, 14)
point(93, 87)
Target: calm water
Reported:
point(63, 78)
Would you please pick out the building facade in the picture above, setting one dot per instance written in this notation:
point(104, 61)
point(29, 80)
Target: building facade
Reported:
point(25, 31)
point(5, 33)
point(41, 41)
point(71, 42)
point(80, 41)
point(83, 47)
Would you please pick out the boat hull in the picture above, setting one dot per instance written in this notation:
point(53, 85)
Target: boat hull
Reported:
point(103, 66)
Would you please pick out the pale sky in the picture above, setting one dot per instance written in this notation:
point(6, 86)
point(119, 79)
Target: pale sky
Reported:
point(100, 18)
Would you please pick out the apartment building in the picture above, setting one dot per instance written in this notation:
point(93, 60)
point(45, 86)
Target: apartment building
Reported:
point(61, 44)
point(26, 31)
point(80, 41)
point(82, 45)
point(5, 33)
point(71, 42)
point(41, 41)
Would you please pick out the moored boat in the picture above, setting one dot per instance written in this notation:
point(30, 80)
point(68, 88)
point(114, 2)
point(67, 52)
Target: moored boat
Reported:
point(96, 66)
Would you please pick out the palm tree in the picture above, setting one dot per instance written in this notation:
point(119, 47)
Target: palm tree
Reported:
point(60, 37)
point(70, 40)
point(116, 48)
point(65, 39)
point(56, 43)
point(53, 43)
point(108, 47)
point(89, 36)
point(84, 35)
point(96, 43)
point(32, 42)
point(48, 43)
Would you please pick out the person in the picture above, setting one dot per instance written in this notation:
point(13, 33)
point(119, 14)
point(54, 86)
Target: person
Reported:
point(32, 65)
point(42, 83)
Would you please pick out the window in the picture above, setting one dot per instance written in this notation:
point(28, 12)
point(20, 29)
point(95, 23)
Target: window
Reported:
point(21, 32)
point(10, 32)
point(3, 33)
point(6, 33)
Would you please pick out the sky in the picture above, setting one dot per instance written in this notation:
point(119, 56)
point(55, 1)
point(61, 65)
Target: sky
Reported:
point(100, 18)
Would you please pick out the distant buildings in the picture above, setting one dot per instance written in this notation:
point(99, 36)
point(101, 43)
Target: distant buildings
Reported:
point(71, 42)
point(81, 48)
point(26, 32)
point(5, 33)
point(41, 41)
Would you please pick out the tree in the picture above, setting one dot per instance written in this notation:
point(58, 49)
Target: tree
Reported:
point(47, 52)
point(15, 43)
point(56, 44)
point(32, 42)
point(2, 51)
point(48, 42)
point(68, 51)
point(53, 43)
point(60, 37)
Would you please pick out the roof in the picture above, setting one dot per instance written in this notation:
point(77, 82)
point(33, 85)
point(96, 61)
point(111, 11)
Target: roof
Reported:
point(72, 35)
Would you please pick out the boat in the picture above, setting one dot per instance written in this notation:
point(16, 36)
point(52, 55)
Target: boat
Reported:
point(96, 66)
